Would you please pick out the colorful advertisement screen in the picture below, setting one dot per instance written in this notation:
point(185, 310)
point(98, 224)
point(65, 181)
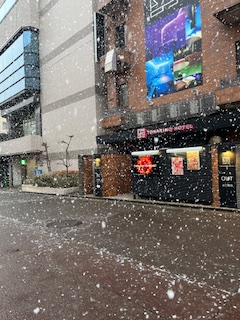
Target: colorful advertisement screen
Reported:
point(173, 40)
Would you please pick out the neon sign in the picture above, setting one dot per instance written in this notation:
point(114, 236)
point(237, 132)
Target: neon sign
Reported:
point(144, 133)
point(144, 165)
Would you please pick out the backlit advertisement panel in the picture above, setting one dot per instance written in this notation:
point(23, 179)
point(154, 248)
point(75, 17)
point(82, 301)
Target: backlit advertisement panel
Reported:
point(173, 41)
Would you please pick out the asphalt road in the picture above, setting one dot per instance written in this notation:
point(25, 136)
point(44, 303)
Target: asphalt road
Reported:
point(73, 258)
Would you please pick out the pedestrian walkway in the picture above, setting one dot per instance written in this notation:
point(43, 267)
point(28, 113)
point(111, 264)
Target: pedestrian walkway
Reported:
point(130, 198)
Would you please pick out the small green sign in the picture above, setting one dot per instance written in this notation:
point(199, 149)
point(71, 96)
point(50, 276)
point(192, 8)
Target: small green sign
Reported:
point(23, 161)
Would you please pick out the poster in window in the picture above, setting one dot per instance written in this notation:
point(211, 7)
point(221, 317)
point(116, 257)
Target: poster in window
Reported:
point(177, 166)
point(193, 161)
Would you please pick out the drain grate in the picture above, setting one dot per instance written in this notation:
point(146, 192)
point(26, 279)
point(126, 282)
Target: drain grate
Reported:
point(12, 250)
point(68, 223)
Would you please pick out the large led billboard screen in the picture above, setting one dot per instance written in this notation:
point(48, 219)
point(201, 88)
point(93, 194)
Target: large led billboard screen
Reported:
point(173, 41)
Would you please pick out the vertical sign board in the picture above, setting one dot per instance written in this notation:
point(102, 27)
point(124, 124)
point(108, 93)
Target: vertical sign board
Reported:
point(173, 42)
point(97, 175)
point(227, 177)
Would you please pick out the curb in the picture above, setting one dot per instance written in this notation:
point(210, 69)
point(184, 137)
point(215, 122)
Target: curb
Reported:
point(162, 203)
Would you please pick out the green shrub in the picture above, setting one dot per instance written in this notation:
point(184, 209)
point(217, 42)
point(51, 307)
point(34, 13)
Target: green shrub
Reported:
point(28, 181)
point(59, 180)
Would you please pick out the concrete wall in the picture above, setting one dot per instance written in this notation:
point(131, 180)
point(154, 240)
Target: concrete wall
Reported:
point(3, 122)
point(67, 78)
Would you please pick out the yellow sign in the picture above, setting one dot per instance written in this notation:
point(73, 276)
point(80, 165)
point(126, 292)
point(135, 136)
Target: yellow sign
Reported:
point(193, 161)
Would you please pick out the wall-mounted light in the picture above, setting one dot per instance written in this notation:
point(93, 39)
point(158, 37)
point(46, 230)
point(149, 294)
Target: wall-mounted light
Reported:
point(184, 150)
point(215, 140)
point(156, 140)
point(145, 153)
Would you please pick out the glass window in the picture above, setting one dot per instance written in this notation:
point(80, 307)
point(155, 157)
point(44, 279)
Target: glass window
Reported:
point(22, 123)
point(12, 91)
point(5, 8)
point(30, 41)
point(31, 58)
point(19, 66)
point(31, 71)
point(99, 36)
point(120, 36)
point(15, 77)
point(32, 83)
point(29, 127)
point(11, 54)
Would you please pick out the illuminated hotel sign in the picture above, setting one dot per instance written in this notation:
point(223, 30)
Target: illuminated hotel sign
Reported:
point(143, 133)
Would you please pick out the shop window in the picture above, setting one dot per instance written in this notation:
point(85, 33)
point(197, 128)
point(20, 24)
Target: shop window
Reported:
point(123, 96)
point(238, 56)
point(120, 36)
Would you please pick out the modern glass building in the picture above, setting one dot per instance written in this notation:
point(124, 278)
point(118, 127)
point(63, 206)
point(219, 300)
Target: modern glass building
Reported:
point(20, 83)
point(47, 86)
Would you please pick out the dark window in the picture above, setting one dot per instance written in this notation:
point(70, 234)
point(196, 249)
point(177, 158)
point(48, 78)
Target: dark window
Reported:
point(99, 36)
point(238, 56)
point(24, 122)
point(123, 96)
point(120, 36)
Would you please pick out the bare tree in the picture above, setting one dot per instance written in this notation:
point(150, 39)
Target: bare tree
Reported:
point(44, 144)
point(66, 161)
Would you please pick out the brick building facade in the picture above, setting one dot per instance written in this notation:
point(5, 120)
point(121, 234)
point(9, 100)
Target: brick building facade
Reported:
point(171, 77)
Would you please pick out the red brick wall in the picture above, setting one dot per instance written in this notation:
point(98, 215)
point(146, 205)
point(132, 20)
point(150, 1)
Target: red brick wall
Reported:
point(218, 53)
point(228, 95)
point(88, 174)
point(116, 174)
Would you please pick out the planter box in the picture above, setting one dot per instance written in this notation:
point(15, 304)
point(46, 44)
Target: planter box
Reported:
point(48, 190)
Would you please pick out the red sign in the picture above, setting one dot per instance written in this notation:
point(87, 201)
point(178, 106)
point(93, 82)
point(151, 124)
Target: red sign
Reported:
point(144, 165)
point(143, 133)
point(177, 166)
